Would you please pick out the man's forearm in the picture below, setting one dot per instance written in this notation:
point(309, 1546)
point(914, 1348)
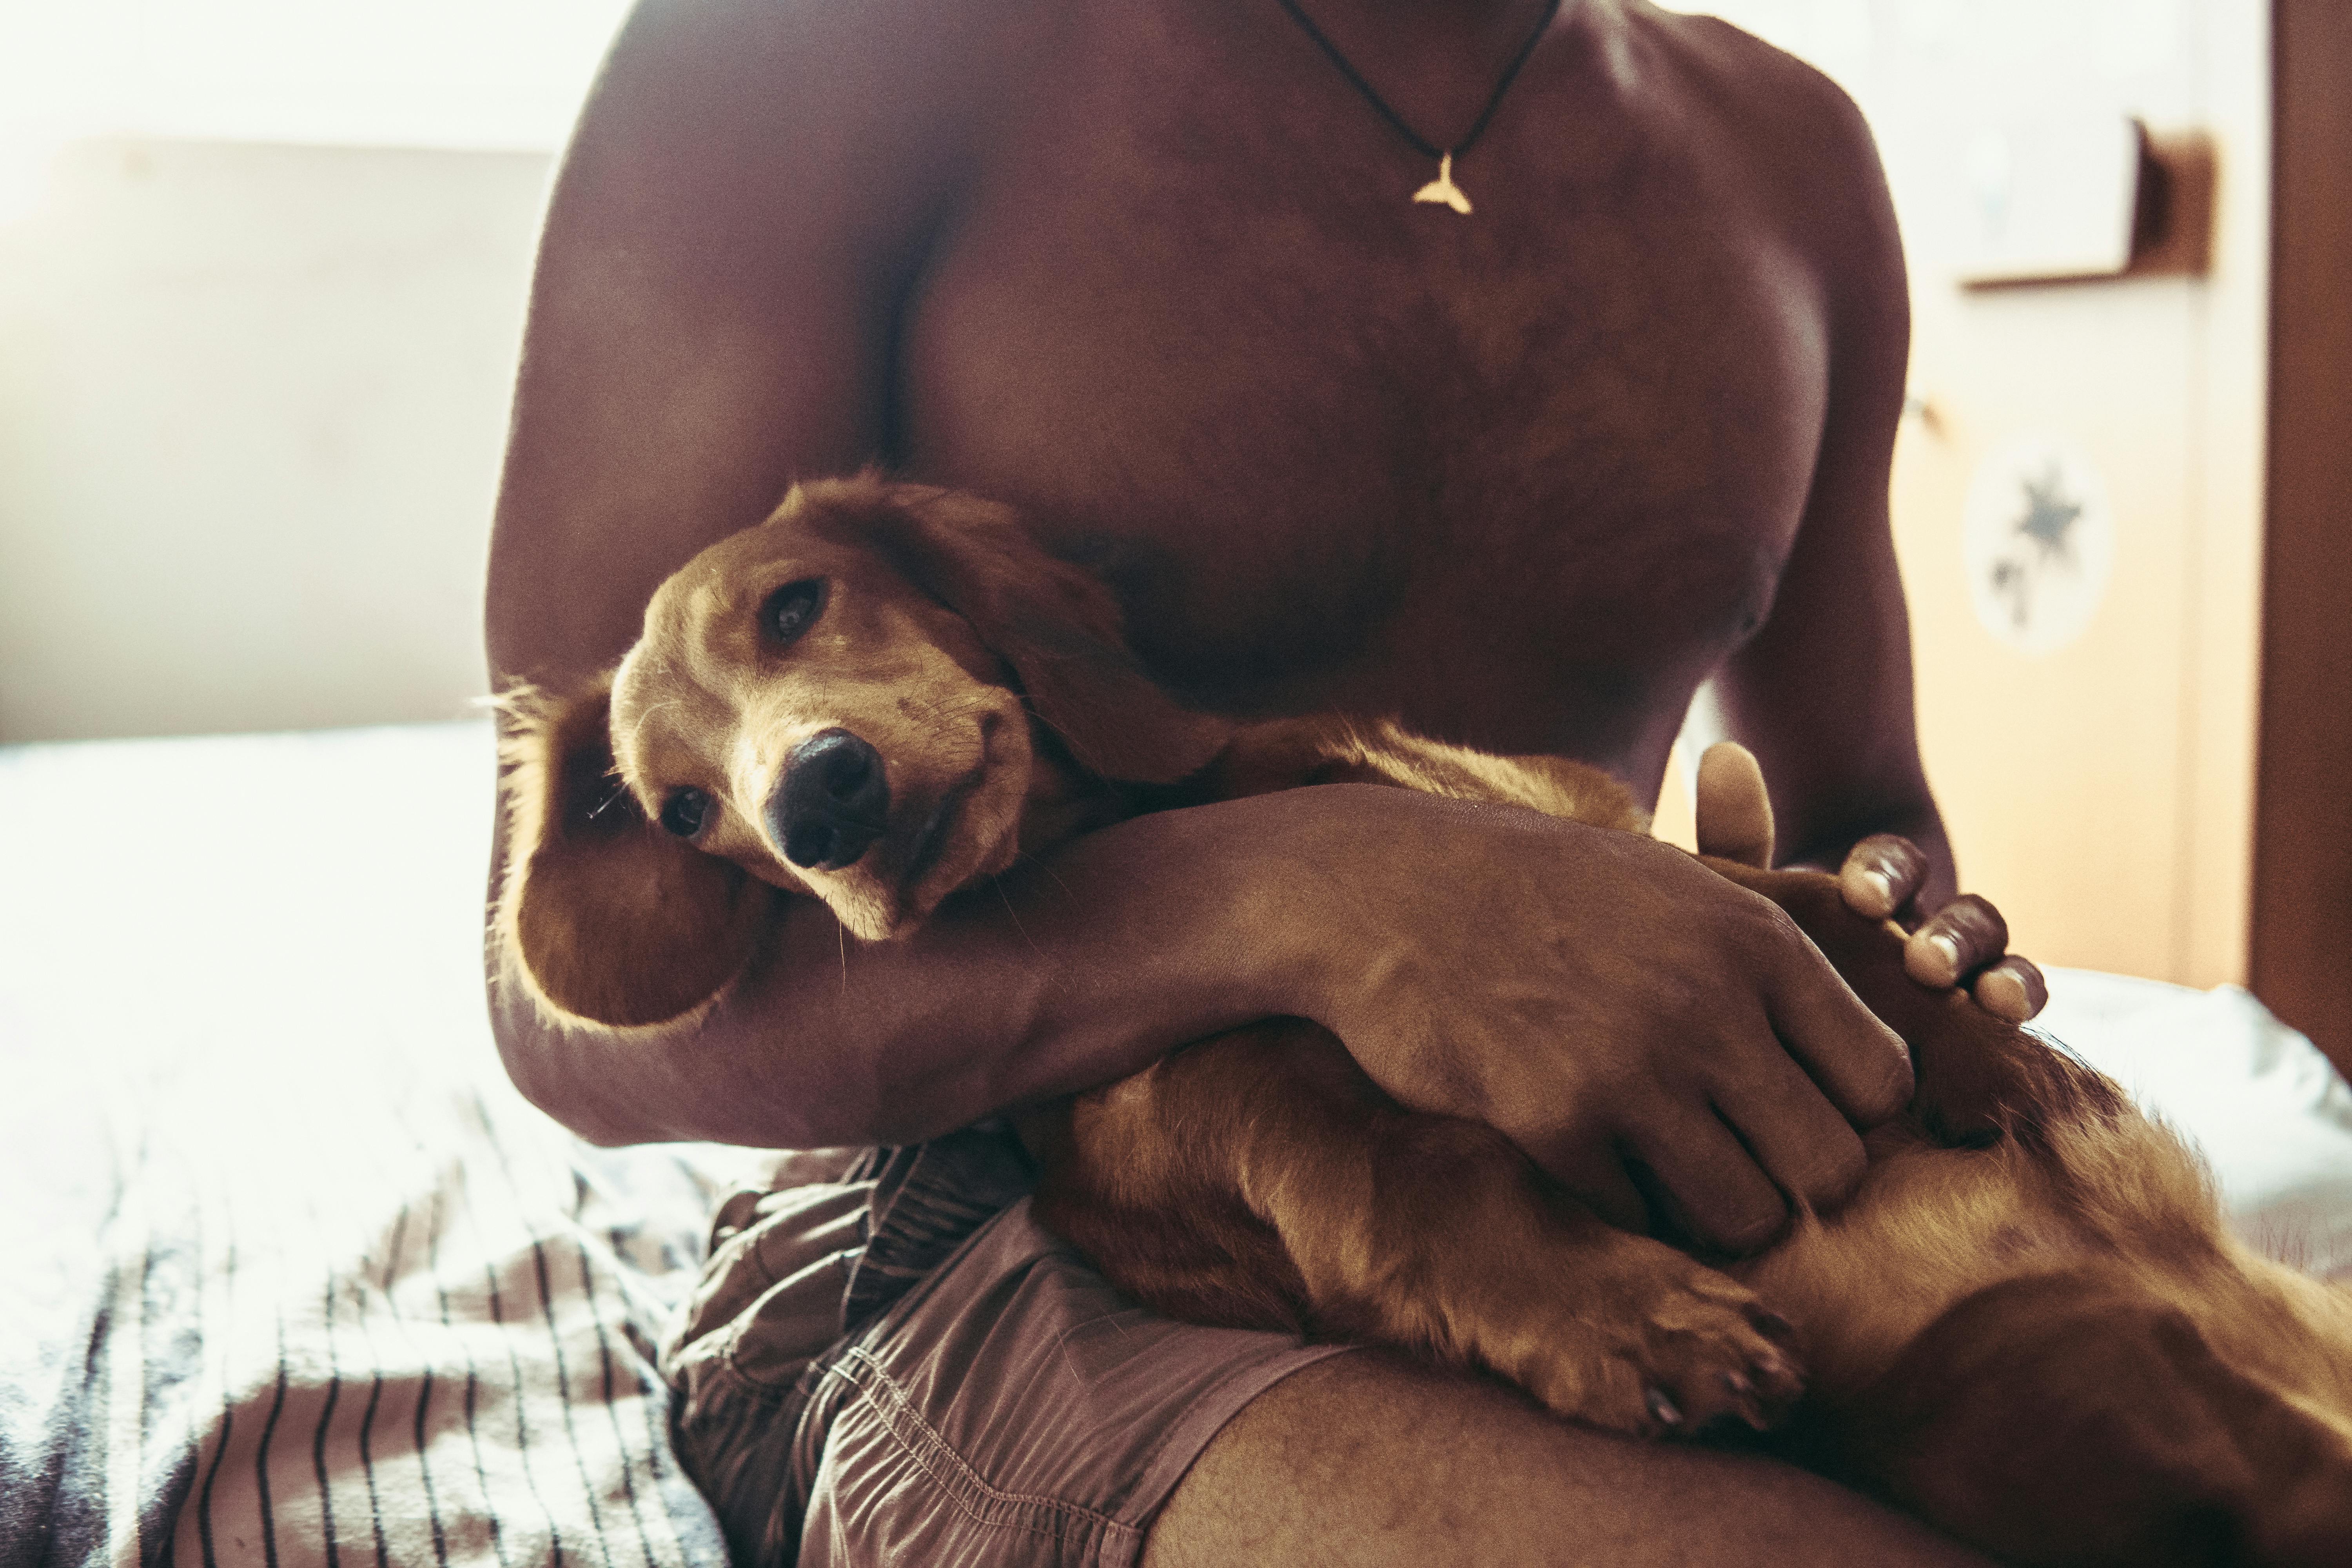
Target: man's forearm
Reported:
point(1065, 974)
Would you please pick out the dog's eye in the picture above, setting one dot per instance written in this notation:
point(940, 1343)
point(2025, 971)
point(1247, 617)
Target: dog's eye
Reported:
point(792, 610)
point(685, 811)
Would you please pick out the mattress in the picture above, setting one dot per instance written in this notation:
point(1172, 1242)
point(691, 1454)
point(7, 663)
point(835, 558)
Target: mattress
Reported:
point(294, 1276)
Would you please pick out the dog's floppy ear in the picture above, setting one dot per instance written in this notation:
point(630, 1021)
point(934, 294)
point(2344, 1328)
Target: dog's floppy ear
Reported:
point(1056, 623)
point(604, 917)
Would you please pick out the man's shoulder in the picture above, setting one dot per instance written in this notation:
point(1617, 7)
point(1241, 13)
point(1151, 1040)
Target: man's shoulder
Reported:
point(909, 60)
point(1774, 102)
point(1797, 144)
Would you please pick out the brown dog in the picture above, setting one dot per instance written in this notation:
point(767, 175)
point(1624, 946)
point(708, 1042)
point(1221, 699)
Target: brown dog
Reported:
point(2029, 1326)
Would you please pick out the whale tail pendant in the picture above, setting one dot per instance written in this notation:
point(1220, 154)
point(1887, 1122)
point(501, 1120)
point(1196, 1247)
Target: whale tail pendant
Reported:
point(1442, 191)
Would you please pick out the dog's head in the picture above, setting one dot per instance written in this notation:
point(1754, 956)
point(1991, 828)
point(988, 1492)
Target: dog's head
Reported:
point(838, 702)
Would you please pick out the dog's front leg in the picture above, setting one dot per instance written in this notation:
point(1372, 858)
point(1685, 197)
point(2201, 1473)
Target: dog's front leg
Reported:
point(1432, 1234)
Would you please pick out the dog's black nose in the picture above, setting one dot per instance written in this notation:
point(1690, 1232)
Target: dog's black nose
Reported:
point(832, 802)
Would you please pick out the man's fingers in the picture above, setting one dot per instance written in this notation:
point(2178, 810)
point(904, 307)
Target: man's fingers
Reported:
point(1881, 873)
point(1734, 813)
point(1804, 1145)
point(1862, 1066)
point(2013, 990)
point(1717, 1191)
point(1955, 941)
point(1596, 1176)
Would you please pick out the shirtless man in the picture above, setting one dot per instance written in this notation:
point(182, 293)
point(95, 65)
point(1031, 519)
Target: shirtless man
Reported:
point(1522, 476)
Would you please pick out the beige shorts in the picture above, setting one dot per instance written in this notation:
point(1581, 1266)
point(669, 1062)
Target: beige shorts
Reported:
point(1004, 1406)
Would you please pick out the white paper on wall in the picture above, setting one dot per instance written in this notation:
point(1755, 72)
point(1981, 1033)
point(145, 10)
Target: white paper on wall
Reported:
point(2051, 195)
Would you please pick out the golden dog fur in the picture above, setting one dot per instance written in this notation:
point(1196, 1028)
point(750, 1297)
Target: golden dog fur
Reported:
point(2030, 1325)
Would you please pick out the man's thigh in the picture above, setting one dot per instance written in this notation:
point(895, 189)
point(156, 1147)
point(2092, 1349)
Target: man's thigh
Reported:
point(1011, 1409)
point(1365, 1460)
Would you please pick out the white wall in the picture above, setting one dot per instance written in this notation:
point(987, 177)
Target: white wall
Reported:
point(252, 400)
point(255, 366)
point(504, 74)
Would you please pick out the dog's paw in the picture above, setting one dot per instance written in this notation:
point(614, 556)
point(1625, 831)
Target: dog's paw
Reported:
point(1660, 1346)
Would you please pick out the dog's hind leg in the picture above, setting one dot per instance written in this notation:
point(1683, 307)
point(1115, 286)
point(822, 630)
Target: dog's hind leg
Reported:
point(2078, 1418)
point(2051, 1347)
point(1428, 1233)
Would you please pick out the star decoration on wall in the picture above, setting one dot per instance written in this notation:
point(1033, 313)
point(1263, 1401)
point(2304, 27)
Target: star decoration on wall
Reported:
point(2047, 530)
point(2037, 539)
point(2050, 516)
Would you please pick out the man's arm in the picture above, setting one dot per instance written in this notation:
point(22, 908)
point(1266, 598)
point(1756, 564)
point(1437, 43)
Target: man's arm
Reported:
point(748, 190)
point(744, 197)
point(1822, 692)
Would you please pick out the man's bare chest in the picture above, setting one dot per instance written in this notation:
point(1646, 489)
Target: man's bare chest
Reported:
point(1337, 447)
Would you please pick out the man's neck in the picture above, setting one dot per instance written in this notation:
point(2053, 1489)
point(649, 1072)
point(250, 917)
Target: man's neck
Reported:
point(1435, 62)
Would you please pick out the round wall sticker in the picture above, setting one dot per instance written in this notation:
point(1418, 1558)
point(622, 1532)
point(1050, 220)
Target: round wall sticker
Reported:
point(2038, 542)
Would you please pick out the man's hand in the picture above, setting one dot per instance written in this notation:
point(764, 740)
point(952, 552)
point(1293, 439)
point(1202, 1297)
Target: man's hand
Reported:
point(1654, 1036)
point(1964, 941)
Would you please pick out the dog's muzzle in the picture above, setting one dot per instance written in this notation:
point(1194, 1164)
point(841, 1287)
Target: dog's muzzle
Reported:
point(831, 804)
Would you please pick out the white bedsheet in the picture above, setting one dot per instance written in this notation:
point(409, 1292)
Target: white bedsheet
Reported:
point(2270, 1114)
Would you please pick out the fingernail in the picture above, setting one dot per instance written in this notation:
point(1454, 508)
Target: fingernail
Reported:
point(1944, 959)
point(1664, 1409)
point(2003, 995)
point(1869, 892)
point(1933, 959)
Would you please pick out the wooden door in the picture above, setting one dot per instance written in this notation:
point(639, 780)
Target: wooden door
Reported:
point(2301, 954)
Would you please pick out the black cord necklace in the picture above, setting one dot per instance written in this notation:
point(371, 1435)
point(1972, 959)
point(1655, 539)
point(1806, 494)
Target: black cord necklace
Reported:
point(1440, 191)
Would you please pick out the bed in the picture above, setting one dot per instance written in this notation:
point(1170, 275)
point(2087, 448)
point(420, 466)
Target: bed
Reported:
point(294, 1276)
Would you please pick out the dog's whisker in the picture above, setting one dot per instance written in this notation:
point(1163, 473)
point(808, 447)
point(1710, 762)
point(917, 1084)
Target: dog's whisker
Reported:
point(1005, 899)
point(606, 801)
point(1047, 867)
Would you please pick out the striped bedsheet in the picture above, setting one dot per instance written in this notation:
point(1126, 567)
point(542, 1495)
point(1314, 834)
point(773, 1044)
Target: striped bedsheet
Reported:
point(288, 1274)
